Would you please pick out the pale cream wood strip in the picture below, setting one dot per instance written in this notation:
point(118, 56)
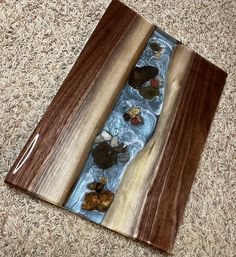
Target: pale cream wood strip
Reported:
point(64, 164)
point(126, 210)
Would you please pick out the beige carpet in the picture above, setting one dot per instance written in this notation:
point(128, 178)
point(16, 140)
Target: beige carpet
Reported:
point(39, 42)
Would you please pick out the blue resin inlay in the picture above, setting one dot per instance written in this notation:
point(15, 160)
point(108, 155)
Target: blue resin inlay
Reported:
point(134, 137)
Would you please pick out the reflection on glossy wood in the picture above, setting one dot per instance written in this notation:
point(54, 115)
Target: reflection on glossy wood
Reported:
point(82, 105)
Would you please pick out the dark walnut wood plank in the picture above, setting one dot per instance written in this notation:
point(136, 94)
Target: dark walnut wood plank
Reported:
point(57, 149)
point(150, 200)
point(174, 175)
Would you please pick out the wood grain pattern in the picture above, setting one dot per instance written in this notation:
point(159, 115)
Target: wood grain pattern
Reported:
point(174, 174)
point(123, 215)
point(69, 126)
point(150, 201)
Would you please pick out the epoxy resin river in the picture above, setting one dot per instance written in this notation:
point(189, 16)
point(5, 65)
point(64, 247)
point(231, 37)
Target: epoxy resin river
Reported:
point(129, 127)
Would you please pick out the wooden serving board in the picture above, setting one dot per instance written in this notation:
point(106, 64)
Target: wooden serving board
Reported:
point(133, 84)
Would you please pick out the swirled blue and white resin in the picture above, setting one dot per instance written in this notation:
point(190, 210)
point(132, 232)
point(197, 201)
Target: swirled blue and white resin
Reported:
point(135, 137)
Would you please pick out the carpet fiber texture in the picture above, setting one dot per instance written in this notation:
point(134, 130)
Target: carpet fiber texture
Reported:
point(39, 42)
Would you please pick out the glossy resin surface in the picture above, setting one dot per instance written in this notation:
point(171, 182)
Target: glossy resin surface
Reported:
point(134, 137)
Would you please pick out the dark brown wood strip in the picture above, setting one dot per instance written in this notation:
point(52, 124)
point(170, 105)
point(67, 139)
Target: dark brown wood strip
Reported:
point(79, 82)
point(59, 146)
point(167, 197)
